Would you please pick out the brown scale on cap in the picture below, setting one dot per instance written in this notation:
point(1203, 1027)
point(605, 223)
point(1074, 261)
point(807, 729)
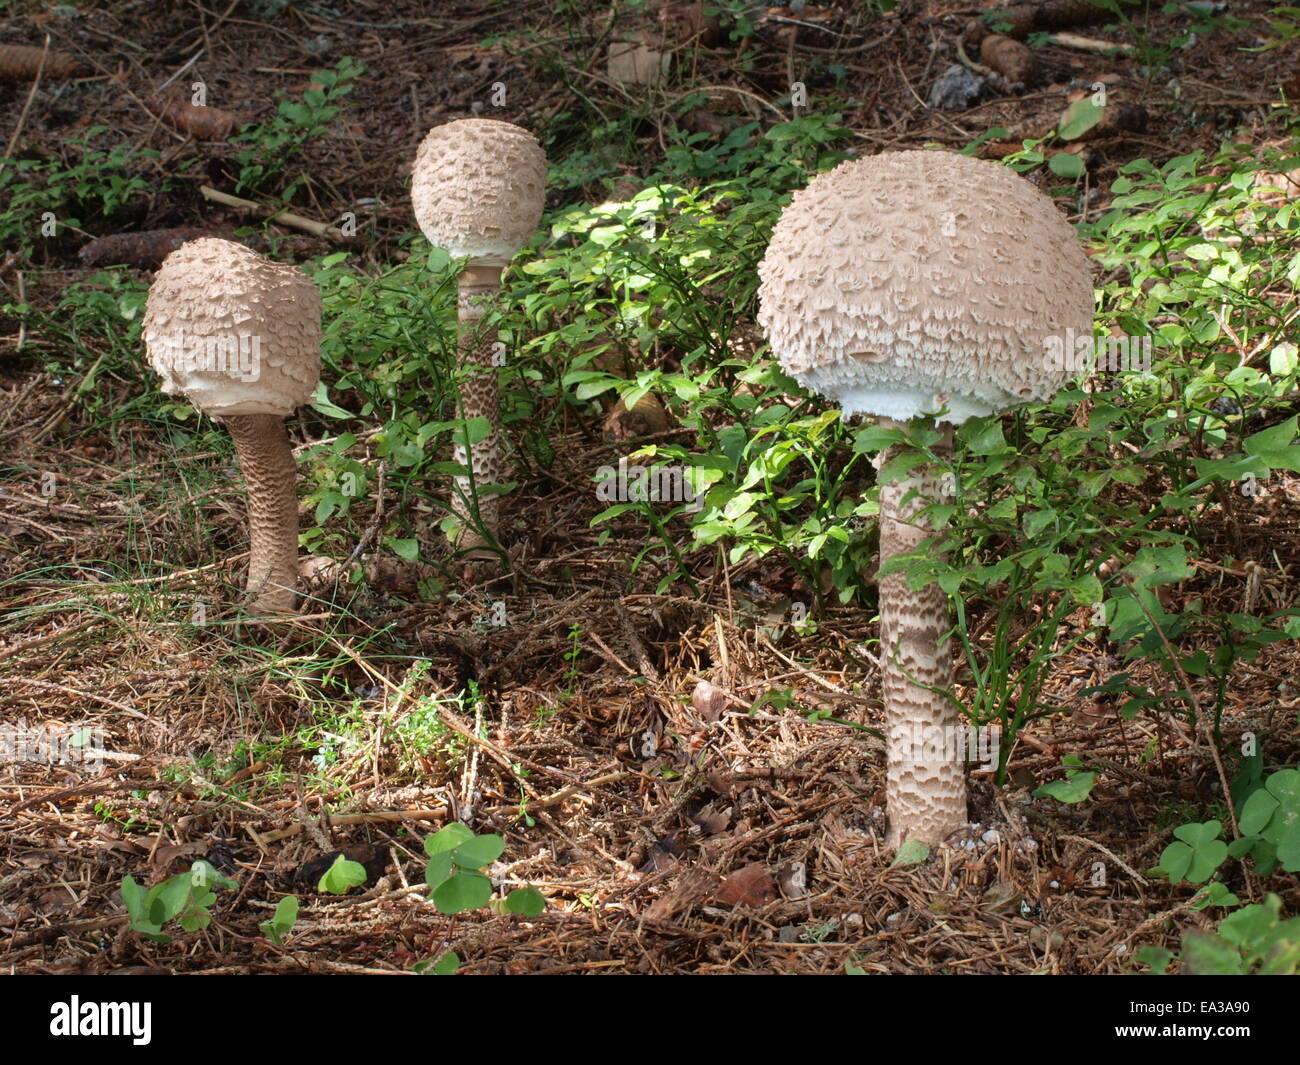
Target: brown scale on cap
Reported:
point(478, 189)
point(239, 335)
point(912, 284)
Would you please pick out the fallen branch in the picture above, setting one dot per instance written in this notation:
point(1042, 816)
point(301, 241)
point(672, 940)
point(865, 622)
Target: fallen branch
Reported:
point(1089, 44)
point(282, 215)
point(1094, 845)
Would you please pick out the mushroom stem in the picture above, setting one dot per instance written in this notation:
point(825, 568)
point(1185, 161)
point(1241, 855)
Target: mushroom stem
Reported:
point(479, 398)
point(925, 783)
point(266, 460)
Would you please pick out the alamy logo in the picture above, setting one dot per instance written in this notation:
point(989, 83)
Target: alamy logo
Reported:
point(103, 1018)
point(934, 745)
point(1089, 354)
point(52, 744)
point(642, 484)
point(238, 355)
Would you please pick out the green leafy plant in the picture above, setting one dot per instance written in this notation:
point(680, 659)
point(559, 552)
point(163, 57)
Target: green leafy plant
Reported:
point(42, 193)
point(280, 925)
point(1270, 824)
point(1079, 117)
point(423, 730)
point(1135, 17)
point(445, 964)
point(342, 876)
point(1255, 940)
point(571, 656)
point(185, 898)
point(1077, 785)
point(1286, 26)
point(264, 150)
point(1195, 855)
point(454, 874)
point(1269, 820)
point(388, 358)
point(672, 269)
point(912, 852)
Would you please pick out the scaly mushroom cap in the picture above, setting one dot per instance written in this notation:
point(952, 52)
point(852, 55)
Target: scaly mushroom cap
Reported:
point(898, 282)
point(478, 188)
point(235, 332)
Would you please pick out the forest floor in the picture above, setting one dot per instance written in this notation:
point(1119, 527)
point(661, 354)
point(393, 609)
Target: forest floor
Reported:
point(666, 839)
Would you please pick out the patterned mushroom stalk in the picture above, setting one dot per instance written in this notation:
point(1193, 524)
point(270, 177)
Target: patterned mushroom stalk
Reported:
point(913, 286)
point(478, 189)
point(239, 336)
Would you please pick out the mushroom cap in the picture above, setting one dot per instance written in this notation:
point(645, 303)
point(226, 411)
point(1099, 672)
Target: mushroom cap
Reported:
point(478, 188)
point(235, 332)
point(898, 283)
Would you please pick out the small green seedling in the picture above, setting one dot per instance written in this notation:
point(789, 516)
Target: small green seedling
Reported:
point(455, 878)
point(279, 926)
point(184, 897)
point(342, 876)
point(913, 852)
point(1076, 786)
point(454, 873)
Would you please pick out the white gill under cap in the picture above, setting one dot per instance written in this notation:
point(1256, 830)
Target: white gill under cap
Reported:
point(235, 332)
point(898, 283)
point(478, 188)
